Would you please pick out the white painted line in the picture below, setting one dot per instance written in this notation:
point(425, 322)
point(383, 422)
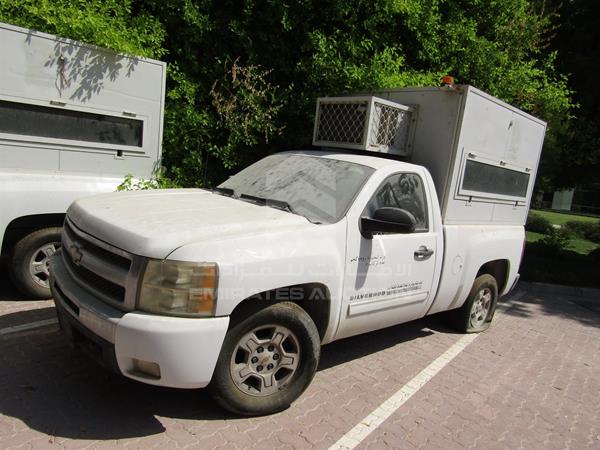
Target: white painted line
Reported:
point(27, 326)
point(370, 423)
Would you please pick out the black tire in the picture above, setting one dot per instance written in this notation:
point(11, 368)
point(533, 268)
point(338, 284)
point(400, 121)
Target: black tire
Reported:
point(26, 251)
point(470, 319)
point(253, 402)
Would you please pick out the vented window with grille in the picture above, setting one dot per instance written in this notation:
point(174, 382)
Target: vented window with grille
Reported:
point(342, 122)
point(363, 123)
point(390, 126)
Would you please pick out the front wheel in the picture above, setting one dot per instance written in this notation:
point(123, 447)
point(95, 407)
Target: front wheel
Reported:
point(478, 310)
point(267, 361)
point(30, 262)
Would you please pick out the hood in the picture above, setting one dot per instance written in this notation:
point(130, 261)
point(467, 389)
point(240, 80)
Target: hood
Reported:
point(154, 223)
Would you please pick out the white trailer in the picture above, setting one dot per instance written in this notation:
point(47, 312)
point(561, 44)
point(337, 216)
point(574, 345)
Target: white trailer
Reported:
point(74, 120)
point(482, 153)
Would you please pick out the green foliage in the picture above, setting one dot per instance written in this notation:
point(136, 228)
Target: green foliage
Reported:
point(107, 23)
point(560, 218)
point(576, 160)
point(246, 108)
point(159, 181)
point(244, 75)
point(556, 241)
point(538, 224)
point(568, 267)
point(584, 230)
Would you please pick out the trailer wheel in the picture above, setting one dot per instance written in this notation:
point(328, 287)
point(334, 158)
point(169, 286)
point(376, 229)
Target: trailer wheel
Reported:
point(30, 261)
point(478, 310)
point(267, 360)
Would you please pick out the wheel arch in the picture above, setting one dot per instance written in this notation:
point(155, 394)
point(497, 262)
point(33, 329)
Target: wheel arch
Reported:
point(20, 227)
point(314, 298)
point(499, 269)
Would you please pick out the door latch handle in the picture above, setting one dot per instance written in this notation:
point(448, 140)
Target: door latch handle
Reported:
point(423, 253)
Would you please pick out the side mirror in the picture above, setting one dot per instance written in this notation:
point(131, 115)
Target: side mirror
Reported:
point(387, 220)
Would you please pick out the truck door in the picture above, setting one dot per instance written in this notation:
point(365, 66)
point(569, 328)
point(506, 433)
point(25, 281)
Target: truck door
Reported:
point(388, 278)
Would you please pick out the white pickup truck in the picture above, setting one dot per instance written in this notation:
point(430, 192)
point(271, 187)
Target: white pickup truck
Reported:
point(237, 288)
point(74, 120)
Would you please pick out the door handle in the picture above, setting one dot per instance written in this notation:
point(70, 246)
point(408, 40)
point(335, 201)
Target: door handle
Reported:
point(423, 253)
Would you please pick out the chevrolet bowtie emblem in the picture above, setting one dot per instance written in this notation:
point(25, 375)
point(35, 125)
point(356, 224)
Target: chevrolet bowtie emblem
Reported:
point(75, 254)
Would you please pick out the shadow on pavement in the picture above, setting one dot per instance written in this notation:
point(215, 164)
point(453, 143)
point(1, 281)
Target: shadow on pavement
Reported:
point(57, 390)
point(7, 290)
point(26, 317)
point(356, 347)
point(582, 305)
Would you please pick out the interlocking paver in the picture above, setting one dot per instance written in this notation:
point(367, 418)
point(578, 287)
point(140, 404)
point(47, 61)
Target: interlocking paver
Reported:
point(522, 384)
point(531, 381)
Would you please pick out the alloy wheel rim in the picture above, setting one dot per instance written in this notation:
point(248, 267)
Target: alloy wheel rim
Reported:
point(481, 307)
point(265, 360)
point(39, 263)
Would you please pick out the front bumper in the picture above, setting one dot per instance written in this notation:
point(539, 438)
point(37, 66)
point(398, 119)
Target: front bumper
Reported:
point(186, 350)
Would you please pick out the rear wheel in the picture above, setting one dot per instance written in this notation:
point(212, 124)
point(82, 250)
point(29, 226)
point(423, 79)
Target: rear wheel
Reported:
point(30, 262)
point(267, 361)
point(478, 310)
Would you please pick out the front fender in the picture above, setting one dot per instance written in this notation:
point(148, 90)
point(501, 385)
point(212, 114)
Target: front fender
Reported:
point(249, 265)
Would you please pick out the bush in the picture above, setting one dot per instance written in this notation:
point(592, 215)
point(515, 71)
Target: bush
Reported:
point(158, 181)
point(584, 230)
point(593, 233)
point(538, 224)
point(555, 241)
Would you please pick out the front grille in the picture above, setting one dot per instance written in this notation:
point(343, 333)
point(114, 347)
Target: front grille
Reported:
point(72, 306)
point(108, 256)
point(96, 266)
point(95, 283)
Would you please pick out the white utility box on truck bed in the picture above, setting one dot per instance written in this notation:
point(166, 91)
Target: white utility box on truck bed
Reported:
point(414, 205)
point(74, 120)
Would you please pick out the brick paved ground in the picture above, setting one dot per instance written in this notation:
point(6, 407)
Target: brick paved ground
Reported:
point(531, 381)
point(16, 311)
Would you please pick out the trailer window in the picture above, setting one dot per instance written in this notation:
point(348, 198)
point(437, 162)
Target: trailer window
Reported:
point(42, 121)
point(405, 191)
point(491, 179)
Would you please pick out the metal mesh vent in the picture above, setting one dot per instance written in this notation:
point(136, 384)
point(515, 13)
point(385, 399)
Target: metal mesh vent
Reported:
point(363, 123)
point(390, 126)
point(342, 122)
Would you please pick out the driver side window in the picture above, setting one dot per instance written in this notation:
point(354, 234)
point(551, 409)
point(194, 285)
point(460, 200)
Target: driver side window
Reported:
point(404, 191)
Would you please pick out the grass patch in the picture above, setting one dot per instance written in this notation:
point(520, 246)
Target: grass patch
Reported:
point(576, 245)
point(582, 246)
point(561, 254)
point(534, 237)
point(557, 218)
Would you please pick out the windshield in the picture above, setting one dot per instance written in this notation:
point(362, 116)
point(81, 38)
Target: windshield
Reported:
point(317, 188)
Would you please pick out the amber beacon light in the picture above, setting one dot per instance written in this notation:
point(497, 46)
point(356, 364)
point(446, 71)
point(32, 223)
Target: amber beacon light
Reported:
point(448, 80)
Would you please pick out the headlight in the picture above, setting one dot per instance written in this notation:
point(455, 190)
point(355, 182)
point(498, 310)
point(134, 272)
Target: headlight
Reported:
point(179, 288)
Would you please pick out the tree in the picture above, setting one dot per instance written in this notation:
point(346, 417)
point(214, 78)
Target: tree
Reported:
point(577, 43)
point(244, 75)
point(107, 23)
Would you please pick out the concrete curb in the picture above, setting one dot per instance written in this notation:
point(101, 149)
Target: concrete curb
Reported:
point(575, 291)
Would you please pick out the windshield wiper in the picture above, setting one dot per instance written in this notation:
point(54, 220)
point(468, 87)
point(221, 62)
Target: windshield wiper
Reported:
point(273, 203)
point(224, 191)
